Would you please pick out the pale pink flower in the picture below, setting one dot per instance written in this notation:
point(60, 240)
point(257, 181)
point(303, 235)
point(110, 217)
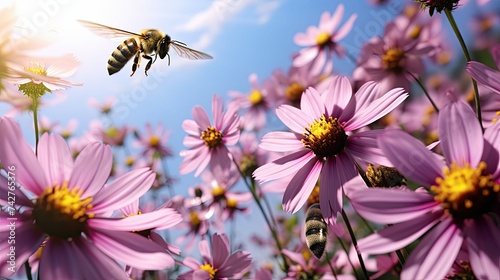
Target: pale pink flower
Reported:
point(323, 145)
point(153, 142)
point(208, 143)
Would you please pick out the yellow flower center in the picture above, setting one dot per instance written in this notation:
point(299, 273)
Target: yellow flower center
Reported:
point(323, 38)
point(61, 212)
point(194, 219)
point(129, 161)
point(444, 57)
point(231, 203)
point(486, 24)
point(325, 137)
point(314, 196)
point(392, 59)
point(256, 97)
point(212, 137)
point(218, 193)
point(210, 269)
point(112, 132)
point(410, 11)
point(384, 177)
point(248, 164)
point(415, 32)
point(31, 89)
point(466, 192)
point(294, 92)
point(154, 141)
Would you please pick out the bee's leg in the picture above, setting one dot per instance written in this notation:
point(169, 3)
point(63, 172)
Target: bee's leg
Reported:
point(137, 61)
point(150, 62)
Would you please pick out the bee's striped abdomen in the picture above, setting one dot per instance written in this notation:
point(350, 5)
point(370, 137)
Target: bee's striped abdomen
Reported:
point(123, 53)
point(316, 230)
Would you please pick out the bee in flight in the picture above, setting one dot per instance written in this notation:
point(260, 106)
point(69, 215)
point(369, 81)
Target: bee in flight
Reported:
point(148, 44)
point(316, 231)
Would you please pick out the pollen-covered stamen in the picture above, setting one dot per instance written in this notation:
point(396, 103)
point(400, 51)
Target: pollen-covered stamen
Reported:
point(210, 269)
point(392, 58)
point(212, 137)
point(61, 212)
point(231, 203)
point(32, 89)
point(256, 97)
point(323, 38)
point(384, 177)
point(466, 192)
point(325, 137)
point(154, 141)
point(294, 92)
point(218, 193)
point(194, 219)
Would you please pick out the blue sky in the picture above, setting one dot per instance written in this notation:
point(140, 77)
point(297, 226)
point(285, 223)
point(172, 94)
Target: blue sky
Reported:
point(243, 36)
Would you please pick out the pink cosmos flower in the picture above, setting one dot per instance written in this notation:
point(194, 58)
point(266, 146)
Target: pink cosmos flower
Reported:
point(321, 42)
point(208, 143)
point(459, 211)
point(153, 142)
point(68, 210)
point(485, 75)
point(256, 103)
point(221, 265)
point(323, 145)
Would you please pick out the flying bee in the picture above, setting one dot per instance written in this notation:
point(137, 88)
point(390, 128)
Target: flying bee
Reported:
point(148, 44)
point(316, 231)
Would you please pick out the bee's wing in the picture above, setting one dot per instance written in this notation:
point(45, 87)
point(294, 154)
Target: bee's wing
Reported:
point(188, 53)
point(107, 31)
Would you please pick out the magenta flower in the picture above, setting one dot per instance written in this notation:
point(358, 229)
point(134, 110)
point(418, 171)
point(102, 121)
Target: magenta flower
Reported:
point(459, 211)
point(321, 42)
point(208, 143)
point(69, 210)
point(322, 144)
point(485, 75)
point(222, 265)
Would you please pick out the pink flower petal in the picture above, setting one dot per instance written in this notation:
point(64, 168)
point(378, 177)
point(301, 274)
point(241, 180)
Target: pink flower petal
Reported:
point(191, 127)
point(311, 104)
point(301, 185)
point(92, 168)
point(159, 219)
point(363, 145)
point(460, 134)
point(398, 236)
point(329, 24)
point(330, 199)
point(217, 111)
point(204, 249)
point(236, 263)
point(220, 249)
point(20, 198)
point(55, 158)
point(16, 156)
point(281, 142)
point(123, 191)
point(483, 246)
point(283, 167)
point(194, 158)
point(337, 96)
point(201, 117)
point(191, 263)
point(389, 206)
point(345, 29)
point(78, 259)
point(131, 249)
point(491, 149)
point(435, 254)
point(484, 75)
point(303, 39)
point(410, 157)
point(294, 118)
point(296, 257)
point(305, 56)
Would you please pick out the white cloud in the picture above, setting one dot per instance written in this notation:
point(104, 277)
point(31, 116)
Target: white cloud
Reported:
point(211, 20)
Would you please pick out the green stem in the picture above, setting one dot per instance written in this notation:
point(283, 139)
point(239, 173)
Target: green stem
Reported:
point(454, 25)
point(251, 188)
point(425, 92)
point(355, 243)
point(27, 269)
point(35, 121)
point(346, 250)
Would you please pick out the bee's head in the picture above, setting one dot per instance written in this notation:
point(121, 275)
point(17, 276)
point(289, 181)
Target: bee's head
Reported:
point(163, 46)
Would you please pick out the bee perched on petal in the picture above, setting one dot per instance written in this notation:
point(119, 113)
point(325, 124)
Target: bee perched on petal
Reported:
point(147, 44)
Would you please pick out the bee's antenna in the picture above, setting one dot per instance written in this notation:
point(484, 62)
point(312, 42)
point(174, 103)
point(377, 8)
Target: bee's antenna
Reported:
point(178, 42)
point(168, 59)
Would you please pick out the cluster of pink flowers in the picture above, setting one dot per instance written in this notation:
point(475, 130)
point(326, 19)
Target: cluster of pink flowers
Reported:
point(402, 158)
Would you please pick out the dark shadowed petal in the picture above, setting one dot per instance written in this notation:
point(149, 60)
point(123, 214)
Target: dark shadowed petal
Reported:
point(460, 134)
point(236, 263)
point(410, 157)
point(123, 191)
point(491, 151)
point(131, 249)
point(399, 235)
point(159, 219)
point(311, 103)
point(330, 199)
point(201, 275)
point(484, 75)
point(55, 158)
point(220, 249)
point(77, 260)
point(294, 118)
point(283, 167)
point(16, 156)
point(389, 206)
point(281, 141)
point(484, 247)
point(27, 240)
point(435, 254)
point(337, 96)
point(301, 185)
point(363, 145)
point(92, 168)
